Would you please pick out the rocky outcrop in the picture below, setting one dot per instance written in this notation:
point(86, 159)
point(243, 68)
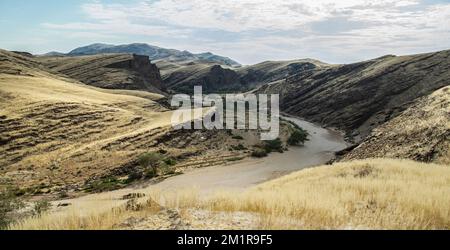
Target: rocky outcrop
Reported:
point(422, 133)
point(212, 79)
point(22, 53)
point(111, 71)
point(141, 64)
point(217, 78)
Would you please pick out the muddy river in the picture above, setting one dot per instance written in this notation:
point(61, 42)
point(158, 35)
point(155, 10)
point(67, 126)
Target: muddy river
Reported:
point(231, 177)
point(318, 150)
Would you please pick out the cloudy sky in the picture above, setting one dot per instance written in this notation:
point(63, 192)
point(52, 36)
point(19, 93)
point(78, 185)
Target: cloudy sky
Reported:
point(248, 31)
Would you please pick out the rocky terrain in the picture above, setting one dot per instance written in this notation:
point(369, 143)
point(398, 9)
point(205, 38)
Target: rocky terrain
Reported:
point(111, 71)
point(421, 132)
point(182, 77)
point(58, 134)
point(359, 97)
point(181, 70)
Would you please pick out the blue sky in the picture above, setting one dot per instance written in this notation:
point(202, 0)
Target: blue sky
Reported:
point(248, 31)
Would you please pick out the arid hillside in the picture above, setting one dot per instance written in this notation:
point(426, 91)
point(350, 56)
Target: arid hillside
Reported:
point(358, 97)
point(58, 134)
point(50, 125)
point(182, 77)
point(110, 71)
point(422, 132)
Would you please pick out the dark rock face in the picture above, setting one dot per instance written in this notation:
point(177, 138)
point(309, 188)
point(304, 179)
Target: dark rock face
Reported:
point(254, 75)
point(215, 78)
point(212, 79)
point(421, 133)
point(147, 72)
point(26, 54)
point(220, 78)
point(111, 71)
point(358, 97)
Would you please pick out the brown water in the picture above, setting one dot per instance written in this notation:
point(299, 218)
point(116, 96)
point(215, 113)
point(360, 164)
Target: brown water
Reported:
point(317, 151)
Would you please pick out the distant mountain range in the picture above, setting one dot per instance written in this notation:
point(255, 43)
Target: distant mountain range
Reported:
point(155, 53)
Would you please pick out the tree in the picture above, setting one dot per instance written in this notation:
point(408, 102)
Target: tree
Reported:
point(298, 137)
point(151, 160)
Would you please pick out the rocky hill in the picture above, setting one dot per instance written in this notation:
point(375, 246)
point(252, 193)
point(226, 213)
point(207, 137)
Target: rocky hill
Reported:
point(59, 135)
point(422, 133)
point(358, 97)
point(110, 71)
point(213, 78)
point(154, 52)
point(181, 70)
point(182, 77)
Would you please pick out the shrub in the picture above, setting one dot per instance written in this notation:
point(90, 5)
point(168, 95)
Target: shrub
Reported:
point(167, 169)
point(150, 161)
point(8, 204)
point(298, 137)
point(41, 207)
point(104, 184)
point(133, 176)
point(238, 137)
point(150, 173)
point(259, 153)
point(170, 161)
point(273, 145)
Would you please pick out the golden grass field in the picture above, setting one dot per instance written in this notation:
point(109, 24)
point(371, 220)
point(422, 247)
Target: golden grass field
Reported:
point(364, 194)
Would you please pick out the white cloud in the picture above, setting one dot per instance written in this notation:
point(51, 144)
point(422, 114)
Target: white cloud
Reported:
point(240, 15)
point(278, 29)
point(122, 27)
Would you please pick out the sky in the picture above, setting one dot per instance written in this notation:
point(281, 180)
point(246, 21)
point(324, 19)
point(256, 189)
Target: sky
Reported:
point(248, 31)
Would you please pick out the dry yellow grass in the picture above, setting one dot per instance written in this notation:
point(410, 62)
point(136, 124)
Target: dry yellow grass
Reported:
point(372, 193)
point(48, 120)
point(366, 194)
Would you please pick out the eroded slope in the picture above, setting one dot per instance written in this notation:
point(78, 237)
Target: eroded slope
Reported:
point(358, 97)
point(182, 77)
point(422, 132)
point(110, 71)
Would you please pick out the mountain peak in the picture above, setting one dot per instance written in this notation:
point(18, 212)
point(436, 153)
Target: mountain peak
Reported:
point(154, 53)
